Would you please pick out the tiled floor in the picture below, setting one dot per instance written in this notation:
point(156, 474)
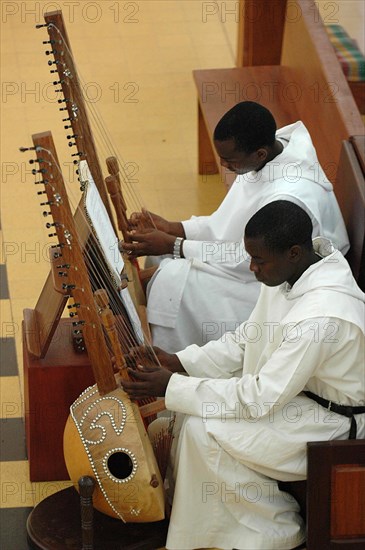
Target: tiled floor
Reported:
point(135, 59)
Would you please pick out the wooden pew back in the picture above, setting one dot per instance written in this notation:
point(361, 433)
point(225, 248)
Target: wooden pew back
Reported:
point(324, 99)
point(350, 192)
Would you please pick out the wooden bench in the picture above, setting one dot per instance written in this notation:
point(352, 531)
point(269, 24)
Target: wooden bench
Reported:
point(297, 76)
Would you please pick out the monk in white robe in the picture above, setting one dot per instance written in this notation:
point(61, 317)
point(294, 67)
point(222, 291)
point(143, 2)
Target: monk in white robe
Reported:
point(210, 290)
point(248, 411)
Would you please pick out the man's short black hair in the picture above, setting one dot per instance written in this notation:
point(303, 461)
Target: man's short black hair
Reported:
point(282, 224)
point(250, 124)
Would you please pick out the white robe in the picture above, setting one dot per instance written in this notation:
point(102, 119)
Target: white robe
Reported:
point(197, 299)
point(248, 421)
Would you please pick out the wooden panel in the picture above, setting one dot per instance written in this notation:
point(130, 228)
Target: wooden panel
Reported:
point(350, 192)
point(322, 458)
point(358, 143)
point(51, 385)
point(324, 98)
point(259, 19)
point(358, 91)
point(206, 152)
point(348, 493)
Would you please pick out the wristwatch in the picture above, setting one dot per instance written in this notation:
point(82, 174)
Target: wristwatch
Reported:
point(178, 244)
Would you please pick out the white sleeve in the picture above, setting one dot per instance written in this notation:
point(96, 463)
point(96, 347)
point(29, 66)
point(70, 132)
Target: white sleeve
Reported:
point(195, 227)
point(231, 255)
point(281, 378)
point(221, 358)
point(218, 238)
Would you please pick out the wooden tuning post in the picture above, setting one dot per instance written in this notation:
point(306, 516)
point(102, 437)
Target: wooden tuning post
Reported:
point(113, 166)
point(113, 169)
point(113, 187)
point(108, 321)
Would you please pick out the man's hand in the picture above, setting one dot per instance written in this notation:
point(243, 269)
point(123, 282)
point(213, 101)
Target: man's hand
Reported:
point(149, 356)
point(148, 220)
point(150, 382)
point(148, 242)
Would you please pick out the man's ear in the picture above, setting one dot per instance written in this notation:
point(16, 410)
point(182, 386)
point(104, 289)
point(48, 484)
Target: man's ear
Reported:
point(261, 154)
point(295, 253)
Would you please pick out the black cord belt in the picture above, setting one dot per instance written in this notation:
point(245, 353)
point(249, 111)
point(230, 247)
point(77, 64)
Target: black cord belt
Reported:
point(344, 410)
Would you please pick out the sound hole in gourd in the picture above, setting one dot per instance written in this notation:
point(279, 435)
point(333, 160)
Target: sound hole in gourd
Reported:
point(120, 465)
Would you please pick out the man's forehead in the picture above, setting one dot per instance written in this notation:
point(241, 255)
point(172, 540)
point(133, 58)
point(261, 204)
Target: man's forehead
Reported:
point(256, 246)
point(226, 147)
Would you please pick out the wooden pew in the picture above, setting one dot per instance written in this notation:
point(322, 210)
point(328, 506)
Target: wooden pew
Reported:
point(308, 84)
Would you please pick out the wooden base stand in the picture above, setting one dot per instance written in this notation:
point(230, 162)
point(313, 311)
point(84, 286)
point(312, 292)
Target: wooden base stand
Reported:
point(51, 385)
point(55, 524)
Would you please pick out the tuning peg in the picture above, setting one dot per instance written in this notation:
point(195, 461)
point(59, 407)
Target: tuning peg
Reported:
point(32, 161)
point(49, 225)
point(71, 137)
point(53, 62)
point(42, 181)
point(63, 109)
point(40, 26)
point(77, 323)
point(52, 234)
point(62, 274)
point(68, 287)
point(50, 52)
point(53, 71)
point(49, 42)
point(40, 171)
point(41, 192)
point(23, 149)
point(45, 213)
point(81, 154)
point(76, 305)
point(63, 100)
